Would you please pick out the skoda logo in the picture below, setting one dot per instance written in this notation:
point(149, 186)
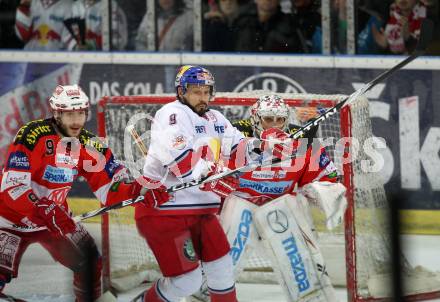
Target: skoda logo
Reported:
point(270, 81)
point(277, 221)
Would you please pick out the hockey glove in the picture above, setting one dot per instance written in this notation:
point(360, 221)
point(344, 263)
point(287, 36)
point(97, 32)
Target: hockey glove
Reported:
point(278, 149)
point(223, 186)
point(55, 217)
point(153, 191)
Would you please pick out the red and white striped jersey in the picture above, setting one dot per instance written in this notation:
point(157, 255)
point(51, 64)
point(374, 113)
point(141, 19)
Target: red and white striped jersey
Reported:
point(310, 164)
point(40, 163)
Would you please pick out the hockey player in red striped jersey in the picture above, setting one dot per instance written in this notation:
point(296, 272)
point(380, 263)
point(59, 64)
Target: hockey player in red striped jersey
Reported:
point(270, 121)
point(42, 162)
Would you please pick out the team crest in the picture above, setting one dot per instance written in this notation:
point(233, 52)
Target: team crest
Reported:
point(59, 90)
point(59, 195)
point(179, 142)
point(188, 250)
point(204, 76)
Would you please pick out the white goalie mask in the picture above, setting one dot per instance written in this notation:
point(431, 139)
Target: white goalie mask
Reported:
point(269, 106)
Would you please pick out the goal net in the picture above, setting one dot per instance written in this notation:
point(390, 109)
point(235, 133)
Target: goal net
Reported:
point(357, 254)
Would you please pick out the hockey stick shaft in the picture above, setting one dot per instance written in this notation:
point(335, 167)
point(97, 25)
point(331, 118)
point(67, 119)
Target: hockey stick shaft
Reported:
point(425, 38)
point(179, 187)
point(171, 189)
point(138, 140)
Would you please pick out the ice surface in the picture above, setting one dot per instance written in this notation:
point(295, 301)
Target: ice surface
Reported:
point(42, 279)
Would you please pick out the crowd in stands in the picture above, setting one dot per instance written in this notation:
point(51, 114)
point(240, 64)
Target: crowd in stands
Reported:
point(278, 26)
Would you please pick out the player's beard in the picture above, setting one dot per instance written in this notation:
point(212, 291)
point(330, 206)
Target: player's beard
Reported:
point(200, 109)
point(63, 129)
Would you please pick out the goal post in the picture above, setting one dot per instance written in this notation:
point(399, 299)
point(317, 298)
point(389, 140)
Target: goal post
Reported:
point(357, 254)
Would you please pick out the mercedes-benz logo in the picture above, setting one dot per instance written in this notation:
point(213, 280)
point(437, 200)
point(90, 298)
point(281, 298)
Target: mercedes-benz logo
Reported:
point(277, 221)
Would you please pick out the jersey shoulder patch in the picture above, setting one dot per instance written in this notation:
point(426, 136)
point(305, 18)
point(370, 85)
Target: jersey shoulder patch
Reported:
point(245, 127)
point(32, 132)
point(89, 139)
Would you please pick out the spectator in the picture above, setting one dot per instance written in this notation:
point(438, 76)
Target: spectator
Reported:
point(369, 18)
point(8, 39)
point(134, 12)
point(93, 18)
point(220, 25)
point(403, 26)
point(306, 13)
point(50, 24)
point(266, 29)
point(174, 27)
point(339, 26)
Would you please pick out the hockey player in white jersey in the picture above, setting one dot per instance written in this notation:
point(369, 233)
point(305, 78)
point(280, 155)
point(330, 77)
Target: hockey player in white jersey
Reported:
point(185, 232)
point(269, 209)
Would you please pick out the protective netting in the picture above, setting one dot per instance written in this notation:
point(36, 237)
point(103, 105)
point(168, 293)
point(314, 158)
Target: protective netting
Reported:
point(365, 232)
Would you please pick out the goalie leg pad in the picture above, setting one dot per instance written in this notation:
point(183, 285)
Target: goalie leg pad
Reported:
point(237, 222)
point(293, 250)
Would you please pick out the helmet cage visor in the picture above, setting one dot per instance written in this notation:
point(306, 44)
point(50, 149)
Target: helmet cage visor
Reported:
point(271, 109)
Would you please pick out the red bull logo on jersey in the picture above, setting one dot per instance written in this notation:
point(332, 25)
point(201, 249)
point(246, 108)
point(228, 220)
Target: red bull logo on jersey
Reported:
point(204, 76)
point(44, 34)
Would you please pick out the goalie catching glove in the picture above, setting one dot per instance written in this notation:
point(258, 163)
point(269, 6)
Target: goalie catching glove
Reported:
point(153, 191)
point(55, 217)
point(223, 186)
point(280, 149)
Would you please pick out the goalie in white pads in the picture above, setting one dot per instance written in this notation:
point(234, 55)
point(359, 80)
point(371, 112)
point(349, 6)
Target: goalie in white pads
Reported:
point(266, 208)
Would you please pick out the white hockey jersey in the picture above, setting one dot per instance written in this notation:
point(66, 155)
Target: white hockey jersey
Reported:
point(179, 146)
point(41, 26)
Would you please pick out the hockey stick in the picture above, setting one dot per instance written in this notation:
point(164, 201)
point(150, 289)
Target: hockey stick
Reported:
point(425, 37)
point(179, 187)
point(5, 297)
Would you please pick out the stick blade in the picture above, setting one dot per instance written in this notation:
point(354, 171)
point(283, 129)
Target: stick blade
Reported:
point(426, 31)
